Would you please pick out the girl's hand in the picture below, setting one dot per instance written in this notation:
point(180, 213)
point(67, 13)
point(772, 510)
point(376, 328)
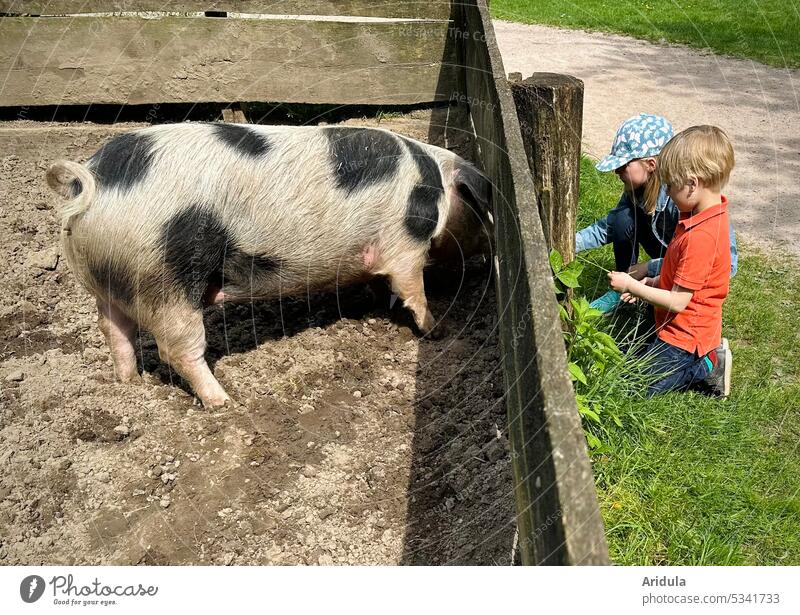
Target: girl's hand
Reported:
point(638, 271)
point(628, 298)
point(620, 282)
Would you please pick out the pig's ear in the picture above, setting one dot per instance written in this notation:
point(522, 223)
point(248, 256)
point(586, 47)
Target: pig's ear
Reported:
point(473, 186)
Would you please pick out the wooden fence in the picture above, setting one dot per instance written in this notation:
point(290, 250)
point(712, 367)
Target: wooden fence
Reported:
point(557, 512)
point(349, 52)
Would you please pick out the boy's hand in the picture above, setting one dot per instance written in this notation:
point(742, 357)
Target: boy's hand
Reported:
point(628, 298)
point(620, 282)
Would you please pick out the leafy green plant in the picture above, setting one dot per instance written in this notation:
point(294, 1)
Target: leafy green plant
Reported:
point(564, 276)
point(593, 360)
point(593, 357)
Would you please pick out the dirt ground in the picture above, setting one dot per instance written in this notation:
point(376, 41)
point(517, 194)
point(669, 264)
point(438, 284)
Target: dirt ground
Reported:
point(353, 442)
point(757, 105)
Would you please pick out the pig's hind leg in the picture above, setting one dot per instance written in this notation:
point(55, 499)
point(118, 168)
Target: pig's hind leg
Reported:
point(120, 333)
point(181, 338)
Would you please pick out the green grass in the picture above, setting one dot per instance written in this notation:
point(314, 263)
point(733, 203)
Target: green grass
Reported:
point(764, 30)
point(691, 480)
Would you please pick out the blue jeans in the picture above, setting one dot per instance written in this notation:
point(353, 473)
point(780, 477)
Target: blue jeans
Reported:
point(629, 227)
point(674, 368)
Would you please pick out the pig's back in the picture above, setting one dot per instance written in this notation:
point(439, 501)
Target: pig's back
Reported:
point(304, 199)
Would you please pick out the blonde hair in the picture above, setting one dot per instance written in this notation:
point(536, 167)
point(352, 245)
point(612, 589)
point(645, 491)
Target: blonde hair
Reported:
point(704, 152)
point(652, 188)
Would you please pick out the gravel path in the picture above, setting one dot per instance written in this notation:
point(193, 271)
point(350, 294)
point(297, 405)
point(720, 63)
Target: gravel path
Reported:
point(759, 107)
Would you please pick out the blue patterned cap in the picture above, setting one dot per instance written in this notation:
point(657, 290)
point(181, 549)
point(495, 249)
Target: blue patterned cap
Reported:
point(640, 136)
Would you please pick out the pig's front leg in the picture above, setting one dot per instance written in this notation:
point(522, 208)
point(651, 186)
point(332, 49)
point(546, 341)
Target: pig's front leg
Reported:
point(408, 284)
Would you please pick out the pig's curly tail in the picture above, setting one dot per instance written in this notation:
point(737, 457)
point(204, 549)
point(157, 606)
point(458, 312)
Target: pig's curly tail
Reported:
point(75, 183)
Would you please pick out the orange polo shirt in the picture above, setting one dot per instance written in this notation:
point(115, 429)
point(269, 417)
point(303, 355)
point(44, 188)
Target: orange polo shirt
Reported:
point(697, 258)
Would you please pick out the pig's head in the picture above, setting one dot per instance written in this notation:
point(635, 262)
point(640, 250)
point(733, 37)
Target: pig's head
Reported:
point(469, 228)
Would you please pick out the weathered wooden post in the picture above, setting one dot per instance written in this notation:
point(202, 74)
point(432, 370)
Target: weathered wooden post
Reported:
point(550, 111)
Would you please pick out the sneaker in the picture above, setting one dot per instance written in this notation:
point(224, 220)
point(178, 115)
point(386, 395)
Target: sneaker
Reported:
point(606, 303)
point(719, 380)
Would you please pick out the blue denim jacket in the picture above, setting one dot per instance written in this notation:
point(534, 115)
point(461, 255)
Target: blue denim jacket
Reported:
point(596, 235)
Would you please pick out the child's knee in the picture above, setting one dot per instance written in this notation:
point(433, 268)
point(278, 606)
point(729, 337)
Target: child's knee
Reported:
point(622, 225)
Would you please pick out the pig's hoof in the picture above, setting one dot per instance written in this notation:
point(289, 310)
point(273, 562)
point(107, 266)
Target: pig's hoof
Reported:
point(436, 333)
point(218, 402)
point(127, 376)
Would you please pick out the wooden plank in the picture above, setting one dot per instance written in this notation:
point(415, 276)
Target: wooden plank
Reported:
point(435, 9)
point(557, 510)
point(131, 60)
point(235, 114)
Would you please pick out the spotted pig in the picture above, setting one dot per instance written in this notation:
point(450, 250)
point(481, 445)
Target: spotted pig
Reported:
point(164, 221)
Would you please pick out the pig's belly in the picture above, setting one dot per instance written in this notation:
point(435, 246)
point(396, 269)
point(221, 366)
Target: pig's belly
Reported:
point(290, 280)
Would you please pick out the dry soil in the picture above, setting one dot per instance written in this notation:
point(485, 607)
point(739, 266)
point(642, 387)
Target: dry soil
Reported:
point(354, 441)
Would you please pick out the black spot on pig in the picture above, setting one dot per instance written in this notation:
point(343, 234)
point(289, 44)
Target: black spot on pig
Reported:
point(422, 212)
point(124, 161)
point(244, 140)
point(362, 157)
point(114, 280)
point(199, 251)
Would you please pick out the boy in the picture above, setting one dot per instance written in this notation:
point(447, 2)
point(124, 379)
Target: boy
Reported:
point(688, 294)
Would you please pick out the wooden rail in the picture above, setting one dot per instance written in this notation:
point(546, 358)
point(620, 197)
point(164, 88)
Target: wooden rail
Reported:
point(358, 58)
point(433, 9)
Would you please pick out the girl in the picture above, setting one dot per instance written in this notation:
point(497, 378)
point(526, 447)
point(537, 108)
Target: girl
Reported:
point(645, 215)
